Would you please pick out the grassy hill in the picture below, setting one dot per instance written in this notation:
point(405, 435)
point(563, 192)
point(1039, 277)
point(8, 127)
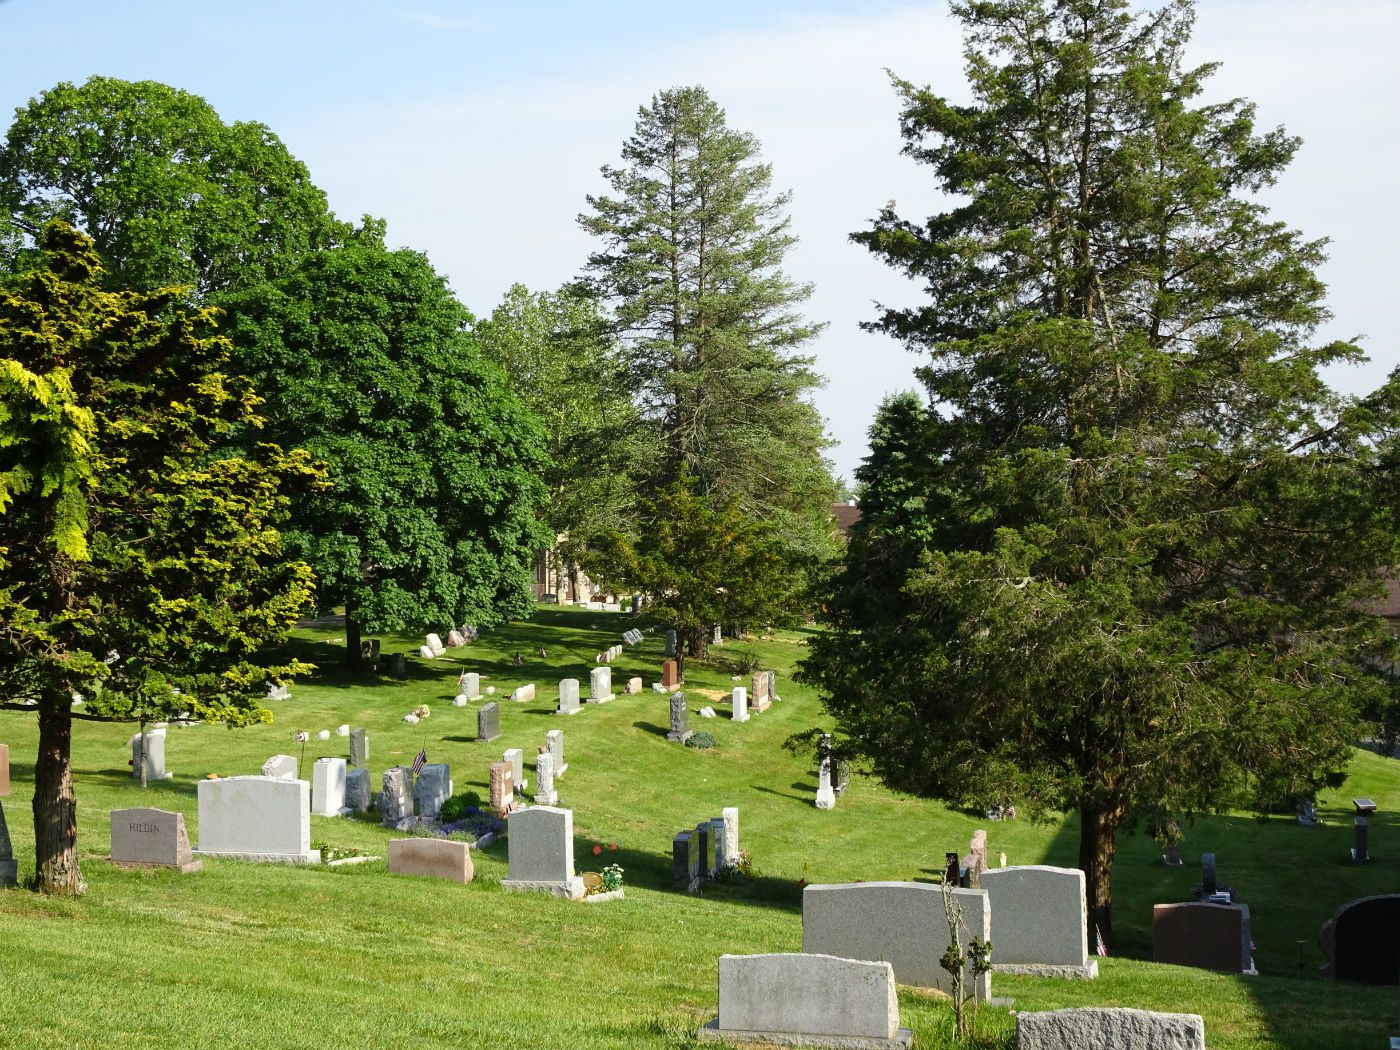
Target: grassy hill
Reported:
point(267, 956)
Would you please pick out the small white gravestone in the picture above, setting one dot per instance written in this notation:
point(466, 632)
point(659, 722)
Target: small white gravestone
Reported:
point(283, 767)
point(739, 699)
point(459, 700)
point(256, 818)
point(276, 691)
point(568, 696)
point(328, 787)
point(523, 694)
point(516, 757)
point(600, 685)
point(541, 855)
point(731, 834)
point(155, 754)
point(469, 682)
point(1040, 921)
point(826, 795)
point(902, 923)
point(324, 734)
point(342, 730)
point(633, 687)
point(411, 719)
point(554, 741)
point(434, 645)
point(706, 712)
point(807, 999)
point(425, 652)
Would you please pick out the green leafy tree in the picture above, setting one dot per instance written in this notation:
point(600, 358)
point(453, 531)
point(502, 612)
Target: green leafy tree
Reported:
point(140, 568)
point(557, 353)
point(1102, 572)
point(701, 560)
point(367, 361)
point(169, 193)
point(693, 243)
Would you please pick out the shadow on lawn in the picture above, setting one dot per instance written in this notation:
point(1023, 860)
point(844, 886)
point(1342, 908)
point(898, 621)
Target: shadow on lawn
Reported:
point(653, 872)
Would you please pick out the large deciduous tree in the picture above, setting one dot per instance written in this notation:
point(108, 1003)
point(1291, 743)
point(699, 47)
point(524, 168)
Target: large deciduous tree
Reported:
point(139, 566)
point(692, 247)
point(369, 364)
point(1121, 559)
point(170, 194)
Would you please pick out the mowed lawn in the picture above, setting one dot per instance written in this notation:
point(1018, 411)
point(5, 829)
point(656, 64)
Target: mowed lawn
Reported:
point(269, 956)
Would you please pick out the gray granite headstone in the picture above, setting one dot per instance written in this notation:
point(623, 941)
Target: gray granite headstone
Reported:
point(359, 747)
point(670, 643)
point(717, 836)
point(705, 852)
point(488, 721)
point(680, 719)
point(357, 789)
point(541, 856)
point(432, 788)
point(152, 836)
point(155, 754)
point(545, 795)
point(9, 867)
point(516, 757)
point(568, 696)
point(396, 800)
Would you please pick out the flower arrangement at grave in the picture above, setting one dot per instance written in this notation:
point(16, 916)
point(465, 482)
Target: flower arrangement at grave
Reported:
point(612, 878)
point(422, 711)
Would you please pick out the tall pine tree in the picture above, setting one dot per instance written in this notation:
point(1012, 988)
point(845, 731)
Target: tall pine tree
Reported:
point(1101, 573)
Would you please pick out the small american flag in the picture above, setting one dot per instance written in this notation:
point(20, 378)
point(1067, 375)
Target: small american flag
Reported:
point(1099, 945)
point(419, 761)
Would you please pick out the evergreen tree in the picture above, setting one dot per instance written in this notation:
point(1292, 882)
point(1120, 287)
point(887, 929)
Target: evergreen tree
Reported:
point(1100, 570)
point(693, 243)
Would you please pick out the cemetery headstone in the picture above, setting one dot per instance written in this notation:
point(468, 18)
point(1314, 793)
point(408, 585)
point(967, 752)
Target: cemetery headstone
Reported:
point(277, 691)
point(1359, 941)
point(683, 863)
point(843, 776)
point(902, 923)
point(328, 787)
point(722, 859)
point(455, 639)
point(545, 795)
point(283, 767)
point(739, 701)
point(155, 754)
point(634, 686)
point(812, 1000)
point(488, 722)
point(1204, 935)
point(1208, 884)
point(516, 757)
point(977, 850)
point(680, 720)
point(523, 694)
point(154, 837)
point(718, 638)
point(772, 685)
point(568, 696)
point(470, 684)
point(398, 664)
point(432, 788)
point(358, 793)
point(396, 798)
point(359, 747)
point(1359, 832)
point(826, 796)
point(502, 788)
point(4, 770)
point(704, 849)
point(554, 741)
point(758, 692)
point(9, 867)
point(1081, 1027)
point(670, 643)
point(1307, 812)
point(731, 834)
point(541, 855)
point(952, 868)
point(256, 818)
point(435, 645)
point(600, 685)
point(1040, 921)
point(433, 858)
point(670, 674)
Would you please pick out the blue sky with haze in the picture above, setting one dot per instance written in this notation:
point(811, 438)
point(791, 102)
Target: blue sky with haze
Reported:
point(477, 129)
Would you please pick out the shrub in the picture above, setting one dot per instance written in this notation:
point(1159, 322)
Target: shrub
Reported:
point(701, 740)
point(459, 807)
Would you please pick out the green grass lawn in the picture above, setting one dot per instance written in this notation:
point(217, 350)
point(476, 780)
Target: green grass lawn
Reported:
point(268, 956)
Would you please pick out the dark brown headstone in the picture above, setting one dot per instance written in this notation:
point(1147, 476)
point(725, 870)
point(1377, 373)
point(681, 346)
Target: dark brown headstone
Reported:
point(1206, 936)
point(670, 676)
point(502, 787)
point(1359, 941)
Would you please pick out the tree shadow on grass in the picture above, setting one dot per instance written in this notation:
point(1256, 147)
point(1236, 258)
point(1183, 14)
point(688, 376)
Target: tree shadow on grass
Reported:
point(784, 794)
point(122, 778)
point(650, 728)
point(654, 872)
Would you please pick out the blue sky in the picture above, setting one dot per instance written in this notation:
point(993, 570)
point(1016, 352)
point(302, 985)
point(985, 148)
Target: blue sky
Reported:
point(477, 129)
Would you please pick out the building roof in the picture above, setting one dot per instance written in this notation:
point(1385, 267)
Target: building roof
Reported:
point(846, 515)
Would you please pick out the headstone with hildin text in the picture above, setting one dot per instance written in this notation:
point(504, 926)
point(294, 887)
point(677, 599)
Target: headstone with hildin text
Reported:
point(154, 837)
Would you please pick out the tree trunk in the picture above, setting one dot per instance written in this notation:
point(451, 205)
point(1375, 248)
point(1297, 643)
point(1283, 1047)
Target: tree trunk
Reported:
point(55, 806)
point(1098, 842)
point(697, 643)
point(352, 639)
point(144, 764)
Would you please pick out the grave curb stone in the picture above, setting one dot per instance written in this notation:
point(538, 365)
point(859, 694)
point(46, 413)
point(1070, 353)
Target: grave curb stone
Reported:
point(1095, 1027)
